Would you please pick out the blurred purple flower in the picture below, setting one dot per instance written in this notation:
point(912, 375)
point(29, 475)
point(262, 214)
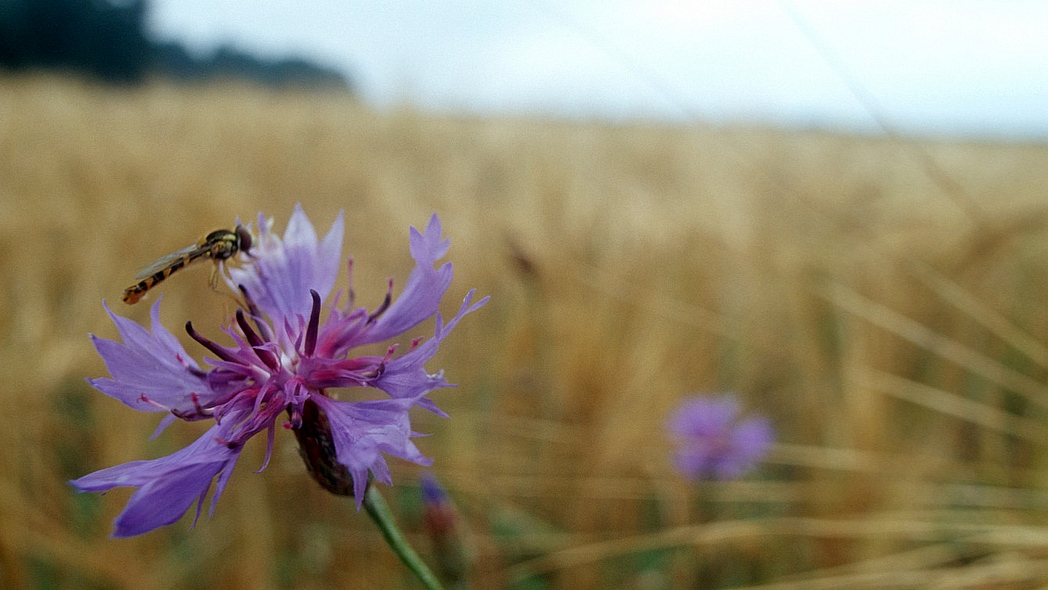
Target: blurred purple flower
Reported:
point(443, 524)
point(714, 443)
point(284, 359)
point(439, 517)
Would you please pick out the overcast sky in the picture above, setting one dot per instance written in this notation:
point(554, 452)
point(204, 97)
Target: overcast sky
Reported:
point(926, 66)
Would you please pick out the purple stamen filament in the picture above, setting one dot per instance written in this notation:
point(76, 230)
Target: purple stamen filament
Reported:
point(314, 324)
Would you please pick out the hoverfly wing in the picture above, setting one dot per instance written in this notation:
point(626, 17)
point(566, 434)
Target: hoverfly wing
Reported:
point(190, 252)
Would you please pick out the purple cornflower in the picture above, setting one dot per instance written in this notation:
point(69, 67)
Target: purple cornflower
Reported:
point(714, 443)
point(284, 358)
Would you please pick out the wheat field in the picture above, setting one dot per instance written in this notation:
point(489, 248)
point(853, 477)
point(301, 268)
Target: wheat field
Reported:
point(880, 300)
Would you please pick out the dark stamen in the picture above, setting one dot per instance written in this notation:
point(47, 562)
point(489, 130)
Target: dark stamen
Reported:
point(314, 324)
point(247, 297)
point(256, 342)
point(266, 357)
point(352, 293)
point(185, 364)
point(263, 330)
point(208, 344)
point(250, 334)
point(385, 304)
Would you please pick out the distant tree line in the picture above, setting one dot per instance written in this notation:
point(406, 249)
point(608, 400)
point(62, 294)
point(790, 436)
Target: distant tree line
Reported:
point(107, 40)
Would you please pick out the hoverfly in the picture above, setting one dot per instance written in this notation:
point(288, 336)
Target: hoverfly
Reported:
point(218, 245)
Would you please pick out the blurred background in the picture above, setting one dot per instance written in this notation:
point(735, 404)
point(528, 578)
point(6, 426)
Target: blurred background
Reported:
point(836, 211)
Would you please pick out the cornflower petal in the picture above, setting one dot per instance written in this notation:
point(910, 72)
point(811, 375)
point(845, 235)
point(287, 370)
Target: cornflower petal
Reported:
point(150, 370)
point(167, 486)
point(284, 270)
point(424, 289)
point(405, 376)
point(362, 431)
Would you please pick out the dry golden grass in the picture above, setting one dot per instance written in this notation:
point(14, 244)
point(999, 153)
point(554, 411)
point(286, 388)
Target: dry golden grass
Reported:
point(893, 328)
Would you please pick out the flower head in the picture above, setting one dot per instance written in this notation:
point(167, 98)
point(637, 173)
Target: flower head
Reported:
point(714, 443)
point(291, 347)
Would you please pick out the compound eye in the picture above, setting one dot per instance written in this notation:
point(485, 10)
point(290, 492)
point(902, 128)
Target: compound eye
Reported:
point(245, 238)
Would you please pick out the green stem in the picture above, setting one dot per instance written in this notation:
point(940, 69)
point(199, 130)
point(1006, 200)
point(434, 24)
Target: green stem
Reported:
point(379, 512)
